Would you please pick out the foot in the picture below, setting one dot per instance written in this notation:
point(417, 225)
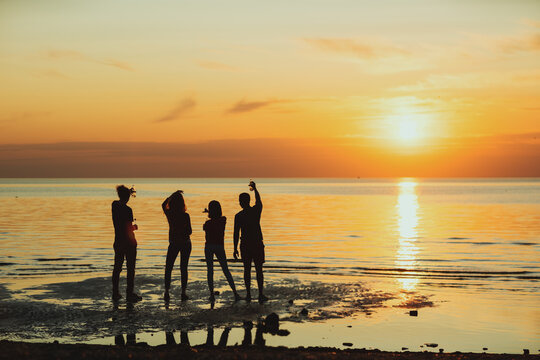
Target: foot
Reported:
point(248, 297)
point(184, 297)
point(237, 297)
point(262, 298)
point(116, 296)
point(133, 297)
point(166, 296)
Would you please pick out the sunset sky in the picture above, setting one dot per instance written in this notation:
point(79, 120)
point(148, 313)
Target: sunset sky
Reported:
point(275, 88)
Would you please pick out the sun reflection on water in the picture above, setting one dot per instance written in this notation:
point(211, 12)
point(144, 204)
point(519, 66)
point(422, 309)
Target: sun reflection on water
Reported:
point(407, 209)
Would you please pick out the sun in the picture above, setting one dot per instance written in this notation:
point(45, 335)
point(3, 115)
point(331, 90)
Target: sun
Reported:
point(408, 129)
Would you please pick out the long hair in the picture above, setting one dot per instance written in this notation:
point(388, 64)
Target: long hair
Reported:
point(214, 209)
point(177, 202)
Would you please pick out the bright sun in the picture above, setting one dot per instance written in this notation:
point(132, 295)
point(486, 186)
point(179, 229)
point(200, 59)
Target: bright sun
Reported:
point(408, 129)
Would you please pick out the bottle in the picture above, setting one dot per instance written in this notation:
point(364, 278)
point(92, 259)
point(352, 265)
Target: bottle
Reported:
point(250, 186)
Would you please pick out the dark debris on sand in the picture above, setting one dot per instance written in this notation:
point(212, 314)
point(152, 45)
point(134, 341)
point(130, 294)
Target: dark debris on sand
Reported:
point(19, 350)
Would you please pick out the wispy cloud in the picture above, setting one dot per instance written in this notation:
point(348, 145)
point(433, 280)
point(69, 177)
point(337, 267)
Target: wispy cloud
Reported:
point(475, 80)
point(529, 42)
point(50, 73)
point(26, 115)
point(184, 106)
point(214, 65)
point(243, 106)
point(78, 56)
point(359, 48)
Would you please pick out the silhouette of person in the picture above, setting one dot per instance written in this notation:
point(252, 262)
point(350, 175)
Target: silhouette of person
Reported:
point(174, 208)
point(248, 339)
point(223, 339)
point(214, 229)
point(125, 244)
point(247, 227)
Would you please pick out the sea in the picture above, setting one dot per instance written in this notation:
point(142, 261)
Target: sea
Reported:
point(405, 264)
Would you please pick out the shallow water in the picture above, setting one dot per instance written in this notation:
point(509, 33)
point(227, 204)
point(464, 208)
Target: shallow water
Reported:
point(357, 253)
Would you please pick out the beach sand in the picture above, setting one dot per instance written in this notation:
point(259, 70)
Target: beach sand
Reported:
point(36, 351)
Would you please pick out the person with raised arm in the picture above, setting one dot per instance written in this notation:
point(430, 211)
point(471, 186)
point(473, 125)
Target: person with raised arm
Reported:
point(247, 229)
point(125, 244)
point(174, 208)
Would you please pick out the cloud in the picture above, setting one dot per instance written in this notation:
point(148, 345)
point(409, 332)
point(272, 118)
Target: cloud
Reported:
point(358, 48)
point(78, 56)
point(473, 81)
point(530, 42)
point(183, 107)
point(50, 73)
point(494, 155)
point(25, 116)
point(213, 65)
point(247, 106)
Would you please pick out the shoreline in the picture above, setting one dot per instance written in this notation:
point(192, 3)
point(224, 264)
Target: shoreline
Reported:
point(36, 351)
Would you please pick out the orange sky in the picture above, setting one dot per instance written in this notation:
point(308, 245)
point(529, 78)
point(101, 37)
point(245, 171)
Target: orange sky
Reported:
point(375, 89)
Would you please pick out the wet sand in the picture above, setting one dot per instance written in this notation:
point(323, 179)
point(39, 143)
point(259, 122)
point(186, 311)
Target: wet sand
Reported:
point(21, 350)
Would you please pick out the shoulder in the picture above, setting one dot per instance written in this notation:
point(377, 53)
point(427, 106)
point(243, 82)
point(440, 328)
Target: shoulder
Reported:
point(186, 216)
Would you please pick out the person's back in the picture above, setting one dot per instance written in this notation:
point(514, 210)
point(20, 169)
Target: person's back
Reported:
point(248, 222)
point(179, 221)
point(179, 226)
point(215, 230)
point(122, 217)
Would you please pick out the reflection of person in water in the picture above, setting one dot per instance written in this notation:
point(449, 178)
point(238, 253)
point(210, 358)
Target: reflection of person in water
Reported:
point(119, 340)
point(214, 228)
point(174, 208)
point(223, 339)
point(247, 227)
point(125, 245)
point(259, 339)
point(184, 339)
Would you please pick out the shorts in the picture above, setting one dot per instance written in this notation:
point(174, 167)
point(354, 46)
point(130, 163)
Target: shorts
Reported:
point(253, 253)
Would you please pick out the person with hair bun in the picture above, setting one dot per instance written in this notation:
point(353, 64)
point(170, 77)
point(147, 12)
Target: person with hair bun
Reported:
point(214, 229)
point(125, 244)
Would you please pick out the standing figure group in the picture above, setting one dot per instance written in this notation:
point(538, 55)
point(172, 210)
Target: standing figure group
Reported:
point(247, 232)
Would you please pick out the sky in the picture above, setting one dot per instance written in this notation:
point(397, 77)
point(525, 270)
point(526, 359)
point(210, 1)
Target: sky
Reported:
point(276, 88)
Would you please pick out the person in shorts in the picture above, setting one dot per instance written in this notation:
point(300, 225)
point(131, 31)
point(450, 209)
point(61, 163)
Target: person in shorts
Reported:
point(125, 244)
point(247, 229)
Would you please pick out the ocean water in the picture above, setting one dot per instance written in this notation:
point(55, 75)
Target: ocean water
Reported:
point(358, 254)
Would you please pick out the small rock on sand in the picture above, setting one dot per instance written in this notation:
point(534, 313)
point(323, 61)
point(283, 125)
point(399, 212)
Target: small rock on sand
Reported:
point(484, 349)
point(347, 344)
point(432, 345)
point(272, 322)
point(525, 351)
point(413, 313)
point(304, 311)
point(349, 326)
point(291, 302)
point(441, 350)
point(404, 348)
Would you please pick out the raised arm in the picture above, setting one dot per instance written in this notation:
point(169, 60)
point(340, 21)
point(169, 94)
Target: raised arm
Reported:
point(258, 202)
point(165, 204)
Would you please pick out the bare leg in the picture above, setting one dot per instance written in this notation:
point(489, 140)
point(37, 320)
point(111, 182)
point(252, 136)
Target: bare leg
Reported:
point(247, 279)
